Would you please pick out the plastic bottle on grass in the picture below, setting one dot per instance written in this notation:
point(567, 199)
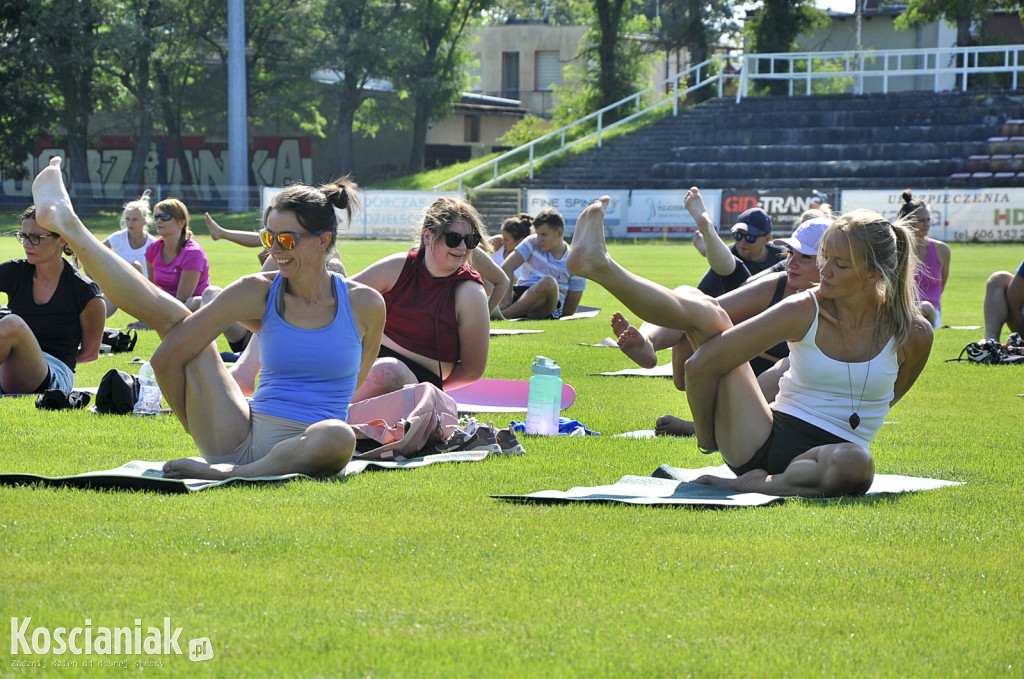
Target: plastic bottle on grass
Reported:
point(544, 402)
point(149, 392)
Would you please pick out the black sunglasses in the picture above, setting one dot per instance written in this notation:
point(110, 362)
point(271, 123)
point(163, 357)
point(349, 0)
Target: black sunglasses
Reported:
point(163, 217)
point(452, 239)
point(745, 236)
point(33, 238)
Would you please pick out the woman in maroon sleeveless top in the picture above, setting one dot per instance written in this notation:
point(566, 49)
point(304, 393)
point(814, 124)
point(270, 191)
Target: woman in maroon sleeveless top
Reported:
point(438, 323)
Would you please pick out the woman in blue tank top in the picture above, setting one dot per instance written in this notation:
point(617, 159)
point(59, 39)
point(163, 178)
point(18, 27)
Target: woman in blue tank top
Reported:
point(857, 345)
point(320, 333)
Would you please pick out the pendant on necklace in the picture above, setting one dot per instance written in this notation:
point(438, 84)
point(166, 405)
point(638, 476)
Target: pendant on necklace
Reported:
point(854, 420)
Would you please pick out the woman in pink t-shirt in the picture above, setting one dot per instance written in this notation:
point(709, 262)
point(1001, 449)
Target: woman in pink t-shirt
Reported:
point(177, 264)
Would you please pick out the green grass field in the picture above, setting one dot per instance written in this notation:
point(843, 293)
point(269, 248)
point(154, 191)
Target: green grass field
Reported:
point(421, 574)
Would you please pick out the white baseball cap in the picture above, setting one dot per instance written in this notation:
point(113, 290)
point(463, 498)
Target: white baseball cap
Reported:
point(806, 237)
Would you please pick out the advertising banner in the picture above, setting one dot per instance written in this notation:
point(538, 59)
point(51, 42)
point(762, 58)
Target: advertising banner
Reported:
point(385, 214)
point(958, 215)
point(784, 206)
point(571, 203)
point(662, 214)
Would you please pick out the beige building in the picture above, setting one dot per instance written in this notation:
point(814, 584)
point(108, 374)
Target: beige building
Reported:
point(523, 61)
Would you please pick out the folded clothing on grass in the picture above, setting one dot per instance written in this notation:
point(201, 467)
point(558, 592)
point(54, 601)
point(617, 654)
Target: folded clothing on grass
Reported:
point(143, 475)
point(674, 486)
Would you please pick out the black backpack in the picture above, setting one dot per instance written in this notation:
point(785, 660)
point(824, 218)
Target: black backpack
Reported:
point(119, 340)
point(118, 393)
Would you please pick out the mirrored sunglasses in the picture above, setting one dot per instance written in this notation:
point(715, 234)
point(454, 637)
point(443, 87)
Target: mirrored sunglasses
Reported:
point(452, 239)
point(745, 236)
point(33, 238)
point(286, 239)
point(163, 217)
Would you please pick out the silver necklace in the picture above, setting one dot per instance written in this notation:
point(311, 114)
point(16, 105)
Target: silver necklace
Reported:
point(854, 417)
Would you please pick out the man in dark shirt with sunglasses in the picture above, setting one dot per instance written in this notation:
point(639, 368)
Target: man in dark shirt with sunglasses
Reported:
point(753, 252)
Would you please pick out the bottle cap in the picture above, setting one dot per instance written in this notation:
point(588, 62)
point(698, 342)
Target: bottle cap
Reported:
point(543, 365)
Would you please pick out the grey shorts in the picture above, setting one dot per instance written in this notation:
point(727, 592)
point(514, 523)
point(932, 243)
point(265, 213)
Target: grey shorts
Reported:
point(265, 432)
point(61, 376)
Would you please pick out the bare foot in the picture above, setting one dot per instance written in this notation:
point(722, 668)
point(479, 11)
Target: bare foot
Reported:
point(193, 468)
point(633, 343)
point(216, 232)
point(669, 425)
point(698, 242)
point(694, 203)
point(588, 254)
point(53, 205)
point(619, 323)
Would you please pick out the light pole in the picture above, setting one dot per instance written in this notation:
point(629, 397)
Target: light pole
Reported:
point(238, 133)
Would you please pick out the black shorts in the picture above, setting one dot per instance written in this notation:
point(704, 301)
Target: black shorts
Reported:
point(422, 374)
point(517, 292)
point(790, 437)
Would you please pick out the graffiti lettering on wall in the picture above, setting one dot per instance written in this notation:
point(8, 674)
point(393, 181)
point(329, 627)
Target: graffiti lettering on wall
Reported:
point(273, 161)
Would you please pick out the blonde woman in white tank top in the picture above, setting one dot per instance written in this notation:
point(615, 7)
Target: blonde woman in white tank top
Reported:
point(131, 241)
point(857, 345)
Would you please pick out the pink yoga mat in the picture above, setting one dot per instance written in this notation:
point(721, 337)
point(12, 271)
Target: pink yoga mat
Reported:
point(500, 396)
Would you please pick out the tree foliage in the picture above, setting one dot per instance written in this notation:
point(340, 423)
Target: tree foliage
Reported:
point(432, 68)
point(963, 13)
point(774, 29)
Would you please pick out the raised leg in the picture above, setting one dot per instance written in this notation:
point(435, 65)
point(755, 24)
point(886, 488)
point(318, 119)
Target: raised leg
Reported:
point(686, 309)
point(193, 379)
point(729, 411)
point(720, 257)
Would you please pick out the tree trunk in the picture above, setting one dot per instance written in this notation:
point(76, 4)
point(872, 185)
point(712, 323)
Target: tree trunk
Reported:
point(418, 154)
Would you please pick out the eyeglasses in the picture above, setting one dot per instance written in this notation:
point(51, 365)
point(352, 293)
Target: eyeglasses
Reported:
point(750, 238)
point(33, 238)
point(163, 217)
point(452, 239)
point(286, 239)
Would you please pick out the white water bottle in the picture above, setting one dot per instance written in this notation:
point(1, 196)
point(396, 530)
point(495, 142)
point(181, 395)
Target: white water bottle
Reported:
point(544, 402)
point(149, 392)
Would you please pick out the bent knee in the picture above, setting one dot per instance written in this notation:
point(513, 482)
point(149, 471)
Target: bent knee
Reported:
point(332, 442)
point(1000, 280)
point(13, 325)
point(390, 374)
point(851, 470)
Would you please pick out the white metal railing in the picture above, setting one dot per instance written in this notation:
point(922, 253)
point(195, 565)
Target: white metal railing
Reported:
point(885, 70)
point(525, 158)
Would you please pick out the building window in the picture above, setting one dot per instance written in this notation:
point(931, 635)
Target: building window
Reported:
point(472, 133)
point(549, 70)
point(510, 75)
